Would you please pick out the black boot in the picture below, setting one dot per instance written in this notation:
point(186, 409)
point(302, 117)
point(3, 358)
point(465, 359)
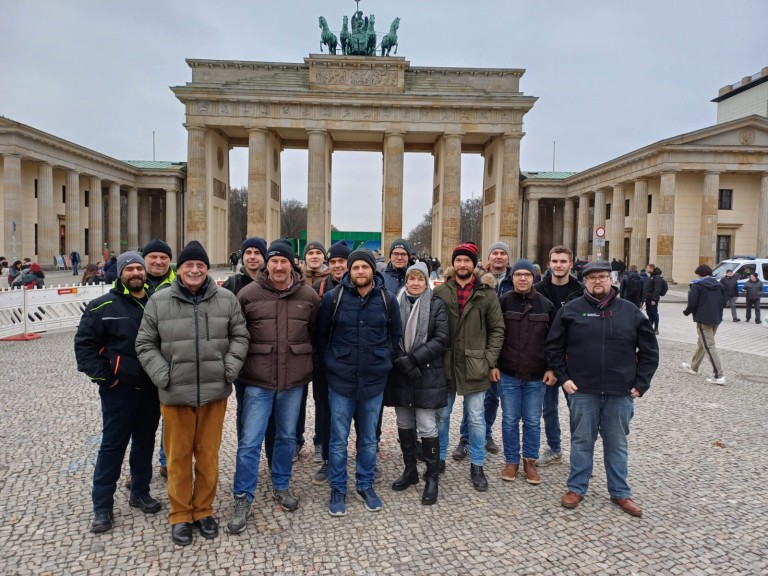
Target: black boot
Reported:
point(432, 458)
point(410, 475)
point(478, 478)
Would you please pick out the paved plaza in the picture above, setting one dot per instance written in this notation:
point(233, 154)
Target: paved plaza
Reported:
point(698, 466)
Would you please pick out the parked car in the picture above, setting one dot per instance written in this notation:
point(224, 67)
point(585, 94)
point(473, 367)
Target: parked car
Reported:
point(742, 267)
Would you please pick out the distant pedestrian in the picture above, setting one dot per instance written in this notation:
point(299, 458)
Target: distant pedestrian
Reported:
point(731, 285)
point(631, 288)
point(753, 289)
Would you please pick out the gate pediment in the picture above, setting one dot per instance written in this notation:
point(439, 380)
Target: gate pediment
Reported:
point(359, 74)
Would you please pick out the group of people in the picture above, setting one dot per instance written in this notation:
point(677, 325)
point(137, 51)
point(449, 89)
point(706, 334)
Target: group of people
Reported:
point(365, 338)
point(25, 274)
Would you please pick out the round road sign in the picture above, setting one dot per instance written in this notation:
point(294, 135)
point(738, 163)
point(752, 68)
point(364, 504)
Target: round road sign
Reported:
point(600, 232)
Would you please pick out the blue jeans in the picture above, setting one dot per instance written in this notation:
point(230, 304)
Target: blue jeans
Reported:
point(551, 417)
point(653, 313)
point(475, 410)
point(161, 457)
point(443, 421)
point(491, 407)
point(365, 411)
point(258, 405)
point(520, 399)
point(127, 412)
point(610, 416)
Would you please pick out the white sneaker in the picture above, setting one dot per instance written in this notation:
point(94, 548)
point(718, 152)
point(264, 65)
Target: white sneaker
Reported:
point(685, 367)
point(720, 381)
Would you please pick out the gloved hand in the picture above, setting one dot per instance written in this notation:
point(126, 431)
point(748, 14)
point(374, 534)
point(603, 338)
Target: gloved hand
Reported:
point(405, 364)
point(414, 374)
point(686, 312)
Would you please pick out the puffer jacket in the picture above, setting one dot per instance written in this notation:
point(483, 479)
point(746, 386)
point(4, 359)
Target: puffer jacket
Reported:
point(105, 343)
point(606, 351)
point(430, 389)
point(527, 318)
point(476, 336)
point(359, 343)
point(753, 290)
point(731, 286)
point(281, 324)
point(394, 278)
point(653, 288)
point(706, 298)
point(192, 346)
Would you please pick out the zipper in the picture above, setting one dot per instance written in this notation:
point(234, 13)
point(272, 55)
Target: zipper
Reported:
point(207, 332)
point(197, 355)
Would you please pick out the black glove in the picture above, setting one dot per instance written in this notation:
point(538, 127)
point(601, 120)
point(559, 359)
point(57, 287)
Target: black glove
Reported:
point(414, 374)
point(405, 364)
point(686, 312)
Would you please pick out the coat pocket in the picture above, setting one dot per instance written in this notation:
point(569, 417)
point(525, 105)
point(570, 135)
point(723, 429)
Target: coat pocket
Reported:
point(259, 364)
point(476, 367)
point(299, 363)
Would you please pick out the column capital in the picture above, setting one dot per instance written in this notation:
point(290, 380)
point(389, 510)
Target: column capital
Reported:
point(257, 130)
point(320, 131)
point(516, 136)
point(394, 133)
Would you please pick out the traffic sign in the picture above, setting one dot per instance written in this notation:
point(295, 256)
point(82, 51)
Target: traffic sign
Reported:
point(600, 232)
point(599, 241)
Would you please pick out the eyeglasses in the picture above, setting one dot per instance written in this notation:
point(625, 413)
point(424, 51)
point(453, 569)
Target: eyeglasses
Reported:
point(522, 275)
point(399, 254)
point(601, 278)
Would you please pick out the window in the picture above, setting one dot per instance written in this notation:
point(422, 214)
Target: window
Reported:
point(725, 199)
point(647, 251)
point(63, 194)
point(86, 198)
point(723, 248)
point(607, 211)
point(626, 207)
point(87, 242)
point(650, 204)
point(35, 193)
point(36, 251)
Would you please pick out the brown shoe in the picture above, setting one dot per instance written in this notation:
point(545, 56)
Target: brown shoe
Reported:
point(628, 506)
point(164, 471)
point(529, 469)
point(509, 472)
point(571, 499)
point(127, 481)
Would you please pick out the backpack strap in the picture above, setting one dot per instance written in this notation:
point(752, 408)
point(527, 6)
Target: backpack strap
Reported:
point(322, 286)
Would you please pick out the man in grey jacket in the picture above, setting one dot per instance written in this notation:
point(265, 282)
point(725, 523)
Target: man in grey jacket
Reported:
point(192, 344)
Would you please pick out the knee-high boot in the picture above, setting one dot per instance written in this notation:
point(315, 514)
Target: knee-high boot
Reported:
point(432, 458)
point(410, 475)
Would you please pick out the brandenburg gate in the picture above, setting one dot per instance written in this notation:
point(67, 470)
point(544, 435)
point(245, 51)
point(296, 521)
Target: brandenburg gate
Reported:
point(358, 103)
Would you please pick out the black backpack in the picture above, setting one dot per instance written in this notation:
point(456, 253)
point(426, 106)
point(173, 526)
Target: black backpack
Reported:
point(634, 288)
point(664, 287)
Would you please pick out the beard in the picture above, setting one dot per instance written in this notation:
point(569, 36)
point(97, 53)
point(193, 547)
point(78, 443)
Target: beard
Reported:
point(362, 282)
point(135, 284)
point(463, 274)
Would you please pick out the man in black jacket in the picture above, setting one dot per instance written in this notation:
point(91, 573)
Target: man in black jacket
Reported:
point(731, 285)
point(706, 297)
point(604, 353)
point(652, 295)
point(105, 351)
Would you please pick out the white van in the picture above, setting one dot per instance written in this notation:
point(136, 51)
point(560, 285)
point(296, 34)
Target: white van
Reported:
point(742, 268)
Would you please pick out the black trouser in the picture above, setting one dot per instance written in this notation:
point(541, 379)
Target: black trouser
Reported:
point(322, 411)
point(754, 303)
point(127, 412)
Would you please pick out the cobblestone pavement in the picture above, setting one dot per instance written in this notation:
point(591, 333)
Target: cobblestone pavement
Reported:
point(698, 467)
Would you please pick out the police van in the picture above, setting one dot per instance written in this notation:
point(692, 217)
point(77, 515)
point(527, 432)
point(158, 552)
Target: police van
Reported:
point(742, 267)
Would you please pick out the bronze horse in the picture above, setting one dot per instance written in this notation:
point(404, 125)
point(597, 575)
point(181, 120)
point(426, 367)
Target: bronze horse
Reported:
point(345, 35)
point(390, 40)
point(327, 37)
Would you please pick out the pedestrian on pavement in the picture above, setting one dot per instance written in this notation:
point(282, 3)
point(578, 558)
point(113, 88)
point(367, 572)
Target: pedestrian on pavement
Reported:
point(753, 289)
point(652, 295)
point(105, 348)
point(559, 287)
point(280, 311)
point(477, 334)
point(417, 387)
point(731, 286)
point(192, 343)
point(337, 264)
point(604, 353)
point(74, 258)
point(524, 371)
point(358, 328)
point(632, 286)
point(706, 298)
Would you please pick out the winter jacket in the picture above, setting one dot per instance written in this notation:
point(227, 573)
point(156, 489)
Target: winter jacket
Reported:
point(359, 342)
point(110, 270)
point(476, 336)
point(325, 284)
point(706, 299)
point(753, 290)
point(105, 343)
point(527, 318)
point(237, 282)
point(652, 289)
point(606, 351)
point(429, 390)
point(637, 298)
point(154, 284)
point(544, 288)
point(506, 283)
point(192, 346)
point(312, 276)
point(731, 286)
point(394, 278)
point(281, 324)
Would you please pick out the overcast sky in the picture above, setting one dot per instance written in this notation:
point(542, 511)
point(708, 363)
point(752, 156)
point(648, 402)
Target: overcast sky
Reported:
point(611, 76)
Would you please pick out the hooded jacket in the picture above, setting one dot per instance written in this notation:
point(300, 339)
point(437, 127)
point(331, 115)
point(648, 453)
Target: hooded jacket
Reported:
point(606, 351)
point(706, 299)
point(394, 278)
point(527, 318)
point(358, 342)
point(653, 287)
point(192, 346)
point(476, 336)
point(281, 324)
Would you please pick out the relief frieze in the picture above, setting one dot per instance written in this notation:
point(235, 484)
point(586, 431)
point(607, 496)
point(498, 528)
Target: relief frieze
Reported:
point(339, 77)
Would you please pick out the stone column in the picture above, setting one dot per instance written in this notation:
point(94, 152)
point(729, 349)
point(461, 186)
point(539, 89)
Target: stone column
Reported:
point(665, 236)
point(258, 189)
point(582, 232)
point(133, 219)
point(762, 219)
point(197, 198)
point(95, 222)
point(46, 217)
point(12, 203)
point(598, 252)
point(639, 224)
point(557, 226)
point(509, 196)
point(450, 211)
point(616, 233)
point(170, 220)
point(568, 223)
point(392, 201)
point(708, 241)
point(74, 232)
point(113, 228)
point(318, 226)
point(532, 248)
point(144, 219)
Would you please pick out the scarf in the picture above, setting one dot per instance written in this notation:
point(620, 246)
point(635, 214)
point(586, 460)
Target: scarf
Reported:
point(415, 318)
point(601, 304)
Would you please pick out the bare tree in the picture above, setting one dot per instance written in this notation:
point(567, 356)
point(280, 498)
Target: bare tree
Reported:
point(238, 217)
point(472, 220)
point(421, 236)
point(293, 218)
